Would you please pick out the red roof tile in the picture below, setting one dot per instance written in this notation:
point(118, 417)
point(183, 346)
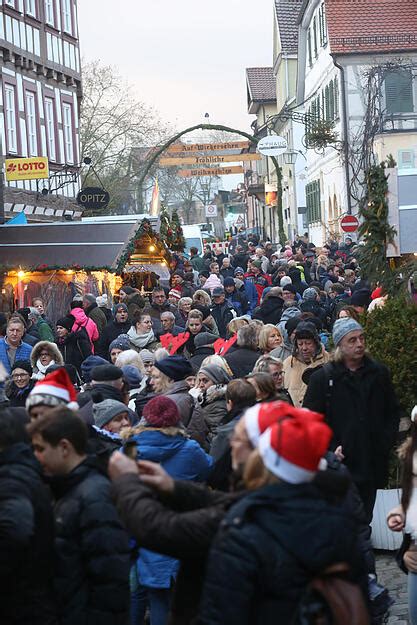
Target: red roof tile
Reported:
point(261, 83)
point(371, 25)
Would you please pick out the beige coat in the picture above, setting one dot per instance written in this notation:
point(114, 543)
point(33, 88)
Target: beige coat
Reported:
point(293, 372)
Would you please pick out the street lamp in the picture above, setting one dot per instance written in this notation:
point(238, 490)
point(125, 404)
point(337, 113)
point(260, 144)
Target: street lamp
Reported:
point(290, 157)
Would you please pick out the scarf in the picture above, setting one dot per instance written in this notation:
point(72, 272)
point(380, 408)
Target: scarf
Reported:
point(140, 340)
point(42, 368)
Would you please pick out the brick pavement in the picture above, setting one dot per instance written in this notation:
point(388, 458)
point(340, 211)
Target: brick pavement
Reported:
point(396, 581)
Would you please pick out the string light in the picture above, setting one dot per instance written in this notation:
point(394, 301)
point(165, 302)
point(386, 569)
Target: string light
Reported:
point(20, 274)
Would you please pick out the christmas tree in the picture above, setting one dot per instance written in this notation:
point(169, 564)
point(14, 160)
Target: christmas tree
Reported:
point(178, 242)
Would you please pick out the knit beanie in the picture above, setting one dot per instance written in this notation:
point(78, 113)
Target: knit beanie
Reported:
point(289, 287)
point(146, 356)
point(175, 367)
point(66, 322)
point(161, 412)
point(121, 306)
point(88, 365)
point(257, 264)
point(285, 281)
point(292, 324)
point(216, 374)
point(106, 410)
point(238, 270)
point(310, 294)
point(23, 364)
point(228, 282)
point(344, 326)
point(175, 294)
point(204, 339)
point(121, 342)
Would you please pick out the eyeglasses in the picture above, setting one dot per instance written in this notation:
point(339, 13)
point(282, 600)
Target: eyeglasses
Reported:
point(44, 354)
point(20, 376)
point(278, 374)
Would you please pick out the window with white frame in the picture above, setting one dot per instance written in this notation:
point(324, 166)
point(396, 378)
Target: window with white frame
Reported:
point(11, 120)
point(67, 16)
point(49, 12)
point(68, 133)
point(30, 7)
point(32, 130)
point(11, 3)
point(50, 127)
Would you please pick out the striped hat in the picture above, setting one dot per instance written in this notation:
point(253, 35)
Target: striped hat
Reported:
point(54, 390)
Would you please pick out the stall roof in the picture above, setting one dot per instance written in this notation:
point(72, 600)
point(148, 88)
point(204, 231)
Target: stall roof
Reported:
point(94, 244)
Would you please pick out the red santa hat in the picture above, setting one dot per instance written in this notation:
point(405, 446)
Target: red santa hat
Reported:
point(58, 387)
point(292, 448)
point(262, 416)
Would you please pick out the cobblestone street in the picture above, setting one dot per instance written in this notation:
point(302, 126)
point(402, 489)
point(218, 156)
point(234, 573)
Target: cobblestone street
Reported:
point(396, 581)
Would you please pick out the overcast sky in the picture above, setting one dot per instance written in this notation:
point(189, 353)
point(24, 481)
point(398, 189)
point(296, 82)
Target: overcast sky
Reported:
point(185, 57)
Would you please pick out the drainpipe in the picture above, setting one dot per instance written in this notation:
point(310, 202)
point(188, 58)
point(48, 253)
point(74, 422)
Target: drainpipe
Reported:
point(345, 134)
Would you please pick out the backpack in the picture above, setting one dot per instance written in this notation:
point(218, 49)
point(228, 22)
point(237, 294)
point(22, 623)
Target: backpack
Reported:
point(330, 599)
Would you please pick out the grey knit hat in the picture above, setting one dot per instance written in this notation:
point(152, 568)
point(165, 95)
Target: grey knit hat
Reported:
point(106, 410)
point(343, 327)
point(216, 374)
point(205, 338)
point(121, 342)
point(146, 356)
point(310, 294)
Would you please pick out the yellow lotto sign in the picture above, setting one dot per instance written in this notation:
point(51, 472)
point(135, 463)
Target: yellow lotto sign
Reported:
point(27, 168)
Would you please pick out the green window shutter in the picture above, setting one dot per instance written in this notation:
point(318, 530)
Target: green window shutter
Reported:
point(324, 24)
point(315, 37)
point(313, 201)
point(399, 92)
point(318, 111)
point(327, 103)
point(331, 101)
point(310, 55)
point(336, 98)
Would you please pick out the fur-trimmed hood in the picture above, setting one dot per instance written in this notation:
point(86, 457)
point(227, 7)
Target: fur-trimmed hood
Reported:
point(50, 347)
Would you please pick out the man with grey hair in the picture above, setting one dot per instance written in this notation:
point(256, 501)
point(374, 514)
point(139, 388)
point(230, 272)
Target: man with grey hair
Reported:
point(94, 312)
point(356, 395)
point(168, 324)
point(40, 325)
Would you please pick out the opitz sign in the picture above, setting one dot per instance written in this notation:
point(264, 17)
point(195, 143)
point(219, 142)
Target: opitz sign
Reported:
point(27, 168)
point(93, 198)
point(349, 223)
point(272, 145)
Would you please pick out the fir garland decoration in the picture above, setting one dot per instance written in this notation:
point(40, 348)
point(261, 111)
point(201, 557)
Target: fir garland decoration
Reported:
point(375, 230)
point(178, 243)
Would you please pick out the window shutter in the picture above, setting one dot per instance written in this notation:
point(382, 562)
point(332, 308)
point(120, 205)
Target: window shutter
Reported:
point(336, 98)
point(310, 55)
point(399, 92)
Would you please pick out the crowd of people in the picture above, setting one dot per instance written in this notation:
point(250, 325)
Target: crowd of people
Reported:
point(204, 454)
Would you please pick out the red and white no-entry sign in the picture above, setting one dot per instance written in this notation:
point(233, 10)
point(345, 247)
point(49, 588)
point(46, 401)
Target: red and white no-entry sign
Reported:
point(349, 223)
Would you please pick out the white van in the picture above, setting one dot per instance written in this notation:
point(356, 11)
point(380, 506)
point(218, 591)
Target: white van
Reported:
point(193, 238)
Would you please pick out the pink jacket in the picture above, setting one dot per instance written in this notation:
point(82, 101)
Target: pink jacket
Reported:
point(82, 321)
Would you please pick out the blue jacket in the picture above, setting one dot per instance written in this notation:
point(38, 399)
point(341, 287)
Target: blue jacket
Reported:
point(23, 352)
point(183, 459)
point(251, 294)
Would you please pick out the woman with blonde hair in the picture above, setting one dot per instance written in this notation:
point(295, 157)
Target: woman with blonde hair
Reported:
point(270, 338)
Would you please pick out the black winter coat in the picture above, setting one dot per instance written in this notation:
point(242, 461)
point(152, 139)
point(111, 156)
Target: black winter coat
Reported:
point(222, 315)
point(242, 361)
point(270, 311)
point(26, 541)
point(268, 548)
point(16, 396)
point(182, 525)
point(112, 330)
point(91, 547)
point(75, 348)
point(199, 355)
point(363, 412)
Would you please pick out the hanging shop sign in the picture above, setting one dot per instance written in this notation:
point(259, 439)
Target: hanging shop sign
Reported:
point(271, 195)
point(272, 145)
point(208, 159)
point(183, 148)
point(215, 171)
point(27, 168)
point(93, 198)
